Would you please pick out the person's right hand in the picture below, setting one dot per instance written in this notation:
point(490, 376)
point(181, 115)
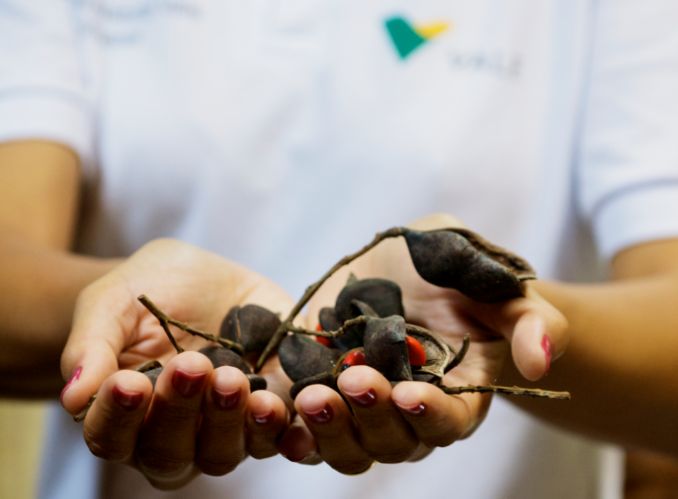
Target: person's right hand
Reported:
point(197, 419)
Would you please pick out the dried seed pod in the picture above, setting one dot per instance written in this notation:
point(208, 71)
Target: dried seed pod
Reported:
point(221, 356)
point(302, 357)
point(326, 379)
point(383, 296)
point(462, 260)
point(153, 374)
point(438, 354)
point(151, 369)
point(252, 326)
point(328, 319)
point(386, 348)
point(256, 382)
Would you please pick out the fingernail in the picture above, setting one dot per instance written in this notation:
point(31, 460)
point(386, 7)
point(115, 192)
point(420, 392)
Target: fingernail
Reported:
point(187, 384)
point(417, 410)
point(127, 400)
point(546, 345)
point(74, 378)
point(226, 401)
point(366, 399)
point(265, 419)
point(322, 416)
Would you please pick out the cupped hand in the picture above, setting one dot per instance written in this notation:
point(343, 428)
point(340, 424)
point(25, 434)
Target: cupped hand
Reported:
point(395, 424)
point(197, 419)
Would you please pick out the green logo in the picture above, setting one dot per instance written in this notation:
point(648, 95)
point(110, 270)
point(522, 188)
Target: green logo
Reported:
point(408, 38)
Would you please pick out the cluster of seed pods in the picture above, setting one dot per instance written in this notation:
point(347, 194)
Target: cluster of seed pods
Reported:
point(367, 325)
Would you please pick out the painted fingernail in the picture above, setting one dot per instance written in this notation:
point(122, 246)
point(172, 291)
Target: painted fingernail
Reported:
point(322, 416)
point(74, 378)
point(226, 401)
point(546, 345)
point(366, 399)
point(187, 384)
point(127, 400)
point(265, 419)
point(416, 410)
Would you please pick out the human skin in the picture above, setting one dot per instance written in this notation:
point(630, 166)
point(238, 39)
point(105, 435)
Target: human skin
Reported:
point(43, 284)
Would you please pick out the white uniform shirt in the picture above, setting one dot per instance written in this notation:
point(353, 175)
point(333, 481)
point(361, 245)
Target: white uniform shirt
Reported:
point(284, 134)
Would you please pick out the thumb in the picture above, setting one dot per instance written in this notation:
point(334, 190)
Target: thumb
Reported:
point(97, 338)
point(537, 332)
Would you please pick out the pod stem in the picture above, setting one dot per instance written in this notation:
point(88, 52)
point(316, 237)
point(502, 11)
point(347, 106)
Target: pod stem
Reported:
point(287, 324)
point(458, 390)
point(165, 320)
point(361, 319)
point(459, 356)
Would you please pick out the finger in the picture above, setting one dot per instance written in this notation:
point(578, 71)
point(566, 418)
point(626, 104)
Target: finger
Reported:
point(437, 419)
point(266, 420)
point(167, 441)
point(114, 420)
point(221, 441)
point(298, 444)
point(537, 332)
point(329, 420)
point(96, 339)
point(382, 430)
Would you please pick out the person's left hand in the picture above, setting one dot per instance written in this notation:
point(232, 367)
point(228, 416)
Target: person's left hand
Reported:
point(401, 423)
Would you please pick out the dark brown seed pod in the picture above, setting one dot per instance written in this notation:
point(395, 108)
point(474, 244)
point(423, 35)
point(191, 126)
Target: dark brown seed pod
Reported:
point(383, 296)
point(221, 356)
point(386, 348)
point(256, 382)
point(153, 374)
point(302, 357)
point(326, 379)
point(252, 326)
point(462, 260)
point(438, 354)
point(328, 319)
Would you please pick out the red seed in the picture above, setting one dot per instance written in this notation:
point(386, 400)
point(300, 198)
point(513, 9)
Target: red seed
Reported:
point(356, 358)
point(415, 352)
point(324, 341)
point(318, 327)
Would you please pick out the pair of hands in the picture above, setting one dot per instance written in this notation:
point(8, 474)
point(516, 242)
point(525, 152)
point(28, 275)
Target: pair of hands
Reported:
point(200, 419)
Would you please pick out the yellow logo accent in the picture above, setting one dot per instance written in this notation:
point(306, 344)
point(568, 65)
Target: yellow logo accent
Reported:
point(428, 31)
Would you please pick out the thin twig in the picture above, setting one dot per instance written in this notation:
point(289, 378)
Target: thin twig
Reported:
point(457, 390)
point(361, 319)
point(311, 290)
point(165, 320)
point(459, 356)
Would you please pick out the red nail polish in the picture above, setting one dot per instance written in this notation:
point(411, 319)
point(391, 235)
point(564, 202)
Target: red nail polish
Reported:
point(187, 384)
point(417, 410)
point(546, 345)
point(127, 400)
point(265, 419)
point(366, 399)
point(74, 378)
point(226, 401)
point(322, 416)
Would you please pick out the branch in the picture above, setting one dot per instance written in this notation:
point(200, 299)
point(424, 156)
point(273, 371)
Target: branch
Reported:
point(457, 390)
point(311, 290)
point(361, 319)
point(459, 356)
point(165, 320)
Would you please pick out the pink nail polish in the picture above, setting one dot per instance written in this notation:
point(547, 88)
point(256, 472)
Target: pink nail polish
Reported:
point(127, 400)
point(416, 410)
point(366, 399)
point(74, 378)
point(546, 346)
point(265, 419)
point(226, 401)
point(322, 416)
point(187, 384)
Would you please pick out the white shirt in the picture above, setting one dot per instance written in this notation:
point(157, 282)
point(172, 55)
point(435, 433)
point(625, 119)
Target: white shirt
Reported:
point(284, 134)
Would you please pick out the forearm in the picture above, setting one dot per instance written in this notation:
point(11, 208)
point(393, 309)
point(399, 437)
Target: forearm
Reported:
point(620, 364)
point(38, 290)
